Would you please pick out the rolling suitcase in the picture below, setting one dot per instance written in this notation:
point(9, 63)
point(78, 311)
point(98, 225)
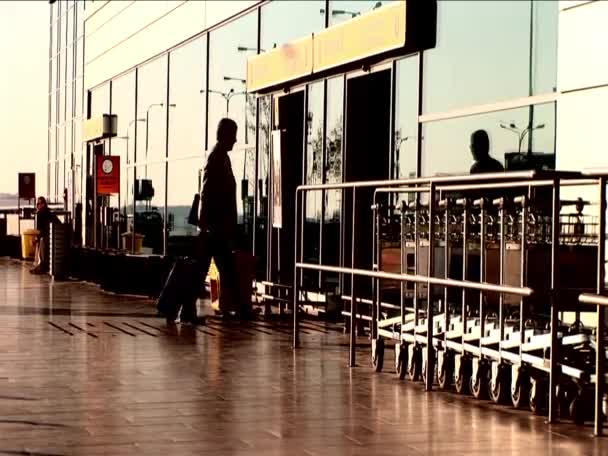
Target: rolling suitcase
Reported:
point(181, 290)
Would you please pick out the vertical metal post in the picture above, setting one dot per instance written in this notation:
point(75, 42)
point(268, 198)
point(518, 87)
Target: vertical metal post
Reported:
point(376, 267)
point(554, 349)
point(482, 269)
point(446, 269)
point(522, 278)
point(430, 365)
point(353, 297)
point(501, 277)
point(296, 322)
point(465, 266)
point(403, 266)
point(416, 252)
point(600, 351)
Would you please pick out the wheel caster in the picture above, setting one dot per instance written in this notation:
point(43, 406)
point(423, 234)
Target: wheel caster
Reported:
point(577, 410)
point(462, 373)
point(401, 360)
point(479, 379)
point(445, 369)
point(499, 383)
point(425, 365)
point(538, 396)
point(378, 354)
point(520, 387)
point(414, 362)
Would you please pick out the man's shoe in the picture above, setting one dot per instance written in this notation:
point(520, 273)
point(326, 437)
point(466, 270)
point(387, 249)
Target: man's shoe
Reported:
point(196, 321)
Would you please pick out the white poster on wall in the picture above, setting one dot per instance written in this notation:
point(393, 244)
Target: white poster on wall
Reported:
point(277, 209)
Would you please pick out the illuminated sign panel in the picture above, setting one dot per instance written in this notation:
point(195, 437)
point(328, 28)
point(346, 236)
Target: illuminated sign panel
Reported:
point(374, 33)
point(286, 63)
point(378, 32)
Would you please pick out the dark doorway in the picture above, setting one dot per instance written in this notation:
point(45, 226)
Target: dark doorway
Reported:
point(366, 158)
point(291, 122)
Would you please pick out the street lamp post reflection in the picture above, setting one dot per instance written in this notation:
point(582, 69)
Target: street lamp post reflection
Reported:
point(521, 134)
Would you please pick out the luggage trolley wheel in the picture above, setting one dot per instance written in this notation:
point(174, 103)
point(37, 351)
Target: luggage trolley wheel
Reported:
point(480, 379)
point(414, 362)
point(401, 355)
point(462, 373)
point(520, 386)
point(378, 354)
point(538, 396)
point(582, 407)
point(499, 383)
point(445, 369)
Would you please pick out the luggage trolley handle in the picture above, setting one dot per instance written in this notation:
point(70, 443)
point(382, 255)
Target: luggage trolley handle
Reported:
point(465, 204)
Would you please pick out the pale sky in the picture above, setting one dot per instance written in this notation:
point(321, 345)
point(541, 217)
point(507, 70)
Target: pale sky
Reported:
point(24, 48)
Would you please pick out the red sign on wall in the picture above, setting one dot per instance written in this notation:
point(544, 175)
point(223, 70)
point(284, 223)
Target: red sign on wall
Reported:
point(108, 175)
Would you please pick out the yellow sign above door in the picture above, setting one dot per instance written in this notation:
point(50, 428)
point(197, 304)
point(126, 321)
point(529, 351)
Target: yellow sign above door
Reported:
point(370, 34)
point(286, 63)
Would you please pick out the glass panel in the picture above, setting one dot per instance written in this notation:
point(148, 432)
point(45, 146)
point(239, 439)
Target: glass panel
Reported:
point(53, 113)
point(60, 142)
point(78, 99)
point(79, 57)
point(54, 74)
point(123, 105)
point(446, 144)
point(61, 94)
point(187, 118)
point(183, 184)
point(70, 64)
point(100, 100)
point(314, 175)
point(52, 144)
point(60, 180)
point(63, 27)
point(68, 105)
point(544, 69)
point(343, 10)
point(406, 118)
point(150, 206)
point(227, 77)
point(151, 95)
point(70, 26)
point(464, 70)
point(333, 174)
point(279, 26)
point(68, 139)
point(52, 185)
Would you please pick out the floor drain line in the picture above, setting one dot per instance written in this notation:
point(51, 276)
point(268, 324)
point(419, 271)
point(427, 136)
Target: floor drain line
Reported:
point(56, 326)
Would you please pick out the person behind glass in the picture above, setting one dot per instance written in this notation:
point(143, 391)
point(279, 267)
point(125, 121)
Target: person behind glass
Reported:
point(480, 149)
point(218, 215)
point(44, 218)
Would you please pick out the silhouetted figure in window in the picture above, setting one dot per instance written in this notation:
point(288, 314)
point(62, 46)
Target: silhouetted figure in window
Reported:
point(480, 148)
point(44, 218)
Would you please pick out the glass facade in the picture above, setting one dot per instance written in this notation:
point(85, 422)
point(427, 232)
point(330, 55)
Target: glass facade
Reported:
point(168, 109)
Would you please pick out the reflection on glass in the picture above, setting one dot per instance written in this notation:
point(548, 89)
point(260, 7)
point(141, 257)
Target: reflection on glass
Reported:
point(227, 77)
point(446, 143)
point(544, 63)
point(333, 174)
point(482, 54)
point(187, 120)
point(150, 206)
point(151, 94)
point(265, 125)
point(406, 119)
point(123, 105)
point(343, 10)
point(279, 27)
point(314, 175)
point(243, 168)
point(100, 100)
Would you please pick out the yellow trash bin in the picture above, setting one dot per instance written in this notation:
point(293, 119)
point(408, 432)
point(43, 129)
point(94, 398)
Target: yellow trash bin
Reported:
point(127, 242)
point(28, 244)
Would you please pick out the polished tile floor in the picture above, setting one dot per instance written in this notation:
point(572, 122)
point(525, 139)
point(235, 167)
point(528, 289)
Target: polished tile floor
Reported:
point(84, 372)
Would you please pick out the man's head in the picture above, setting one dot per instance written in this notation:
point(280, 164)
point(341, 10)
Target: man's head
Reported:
point(226, 133)
point(480, 145)
point(41, 203)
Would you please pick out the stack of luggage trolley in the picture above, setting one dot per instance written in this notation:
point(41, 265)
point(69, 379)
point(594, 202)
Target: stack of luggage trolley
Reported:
point(476, 290)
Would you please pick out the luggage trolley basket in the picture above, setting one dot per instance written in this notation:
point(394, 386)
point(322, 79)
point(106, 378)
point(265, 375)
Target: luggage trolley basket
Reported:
point(488, 296)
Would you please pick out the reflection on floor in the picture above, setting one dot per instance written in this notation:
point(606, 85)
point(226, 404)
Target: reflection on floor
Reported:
point(83, 372)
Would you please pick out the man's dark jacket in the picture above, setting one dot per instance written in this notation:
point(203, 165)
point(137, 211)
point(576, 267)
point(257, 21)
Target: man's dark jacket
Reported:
point(218, 212)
